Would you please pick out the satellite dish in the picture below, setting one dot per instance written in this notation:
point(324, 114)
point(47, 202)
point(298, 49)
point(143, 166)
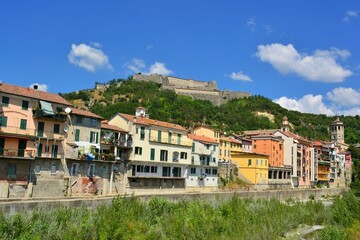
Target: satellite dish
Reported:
point(67, 110)
point(66, 129)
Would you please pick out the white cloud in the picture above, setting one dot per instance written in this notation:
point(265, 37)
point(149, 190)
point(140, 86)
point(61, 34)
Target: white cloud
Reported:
point(349, 15)
point(159, 68)
point(88, 57)
point(344, 96)
point(251, 23)
point(41, 87)
point(138, 65)
point(240, 76)
point(149, 47)
point(96, 44)
point(307, 104)
point(321, 66)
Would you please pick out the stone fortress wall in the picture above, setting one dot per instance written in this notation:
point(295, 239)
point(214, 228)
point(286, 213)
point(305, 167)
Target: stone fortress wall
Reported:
point(193, 88)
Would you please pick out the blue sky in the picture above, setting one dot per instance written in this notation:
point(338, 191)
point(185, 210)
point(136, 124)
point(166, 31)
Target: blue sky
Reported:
point(304, 55)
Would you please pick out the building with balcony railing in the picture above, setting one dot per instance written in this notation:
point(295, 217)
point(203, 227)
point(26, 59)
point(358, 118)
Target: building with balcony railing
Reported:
point(161, 151)
point(31, 138)
point(203, 172)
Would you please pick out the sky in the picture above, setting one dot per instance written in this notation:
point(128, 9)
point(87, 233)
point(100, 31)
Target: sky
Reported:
point(303, 55)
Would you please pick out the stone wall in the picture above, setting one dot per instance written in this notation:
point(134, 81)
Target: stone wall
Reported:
point(195, 89)
point(12, 207)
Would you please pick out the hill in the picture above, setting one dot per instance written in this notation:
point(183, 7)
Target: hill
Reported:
point(254, 112)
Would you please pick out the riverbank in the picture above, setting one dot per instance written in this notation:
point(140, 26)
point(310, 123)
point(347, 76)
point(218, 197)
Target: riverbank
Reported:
point(10, 207)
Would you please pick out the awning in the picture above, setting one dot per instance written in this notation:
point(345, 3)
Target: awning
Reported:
point(47, 108)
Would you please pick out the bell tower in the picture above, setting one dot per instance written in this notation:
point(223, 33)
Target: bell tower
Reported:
point(285, 124)
point(337, 131)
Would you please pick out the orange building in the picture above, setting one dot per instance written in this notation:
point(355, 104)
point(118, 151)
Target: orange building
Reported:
point(271, 146)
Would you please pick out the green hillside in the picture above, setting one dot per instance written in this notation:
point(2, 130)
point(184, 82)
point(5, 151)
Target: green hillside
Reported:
point(255, 112)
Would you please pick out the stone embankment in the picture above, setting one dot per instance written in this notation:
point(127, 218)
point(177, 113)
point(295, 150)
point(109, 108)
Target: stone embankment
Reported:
point(10, 207)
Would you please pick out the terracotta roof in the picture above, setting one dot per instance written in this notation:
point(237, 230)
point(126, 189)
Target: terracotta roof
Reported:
point(202, 139)
point(260, 132)
point(152, 122)
point(32, 93)
point(86, 113)
point(106, 125)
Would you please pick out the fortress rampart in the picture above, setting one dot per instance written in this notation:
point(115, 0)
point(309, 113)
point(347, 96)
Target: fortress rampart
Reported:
point(193, 88)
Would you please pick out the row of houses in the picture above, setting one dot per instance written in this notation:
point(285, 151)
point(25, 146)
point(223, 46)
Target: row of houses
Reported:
point(48, 148)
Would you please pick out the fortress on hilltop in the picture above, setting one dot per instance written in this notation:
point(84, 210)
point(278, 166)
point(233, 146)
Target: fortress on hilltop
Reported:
point(193, 88)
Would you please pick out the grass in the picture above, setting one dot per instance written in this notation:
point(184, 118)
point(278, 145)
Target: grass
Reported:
point(158, 218)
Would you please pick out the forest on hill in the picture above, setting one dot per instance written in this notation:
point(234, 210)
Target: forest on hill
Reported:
point(255, 112)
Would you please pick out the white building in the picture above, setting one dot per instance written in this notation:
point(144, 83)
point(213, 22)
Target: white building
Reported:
point(161, 151)
point(203, 171)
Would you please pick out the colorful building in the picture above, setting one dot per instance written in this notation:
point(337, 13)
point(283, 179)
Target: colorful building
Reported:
point(252, 167)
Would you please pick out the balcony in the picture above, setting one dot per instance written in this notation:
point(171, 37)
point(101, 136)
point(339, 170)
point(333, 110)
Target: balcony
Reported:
point(50, 155)
point(48, 134)
point(57, 116)
point(13, 152)
point(17, 131)
point(323, 178)
point(174, 140)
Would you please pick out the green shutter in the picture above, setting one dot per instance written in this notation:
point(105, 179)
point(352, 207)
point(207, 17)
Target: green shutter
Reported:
point(97, 137)
point(23, 124)
point(91, 137)
point(25, 105)
point(159, 136)
point(169, 137)
point(193, 147)
point(5, 101)
point(3, 121)
point(179, 139)
point(77, 134)
point(152, 154)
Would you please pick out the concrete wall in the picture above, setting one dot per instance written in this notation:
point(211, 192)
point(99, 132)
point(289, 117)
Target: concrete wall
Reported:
point(12, 207)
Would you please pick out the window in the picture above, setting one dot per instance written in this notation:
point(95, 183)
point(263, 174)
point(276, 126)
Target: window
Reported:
point(56, 128)
point(179, 139)
point(153, 169)
point(138, 150)
point(159, 136)
point(147, 169)
point(192, 159)
point(193, 147)
point(214, 159)
point(37, 169)
point(169, 137)
point(23, 123)
point(79, 119)
point(183, 155)
point(214, 147)
point(53, 169)
point(25, 105)
point(192, 170)
point(166, 171)
point(94, 136)
point(91, 170)
point(5, 101)
point(163, 155)
point(229, 153)
point(105, 169)
point(261, 162)
point(74, 169)
point(176, 172)
point(208, 171)
point(249, 162)
point(214, 171)
point(137, 130)
point(152, 154)
point(257, 162)
point(254, 146)
point(142, 133)
point(139, 168)
point(11, 170)
point(3, 122)
point(265, 162)
point(77, 134)
point(175, 157)
point(207, 146)
point(93, 122)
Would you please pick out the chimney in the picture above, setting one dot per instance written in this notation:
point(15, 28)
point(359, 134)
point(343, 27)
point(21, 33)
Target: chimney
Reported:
point(36, 86)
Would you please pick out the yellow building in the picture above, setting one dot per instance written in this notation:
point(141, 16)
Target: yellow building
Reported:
point(253, 167)
point(227, 145)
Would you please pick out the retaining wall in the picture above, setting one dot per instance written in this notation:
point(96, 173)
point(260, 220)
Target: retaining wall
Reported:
point(10, 207)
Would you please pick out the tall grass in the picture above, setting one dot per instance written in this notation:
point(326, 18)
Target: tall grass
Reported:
point(158, 218)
